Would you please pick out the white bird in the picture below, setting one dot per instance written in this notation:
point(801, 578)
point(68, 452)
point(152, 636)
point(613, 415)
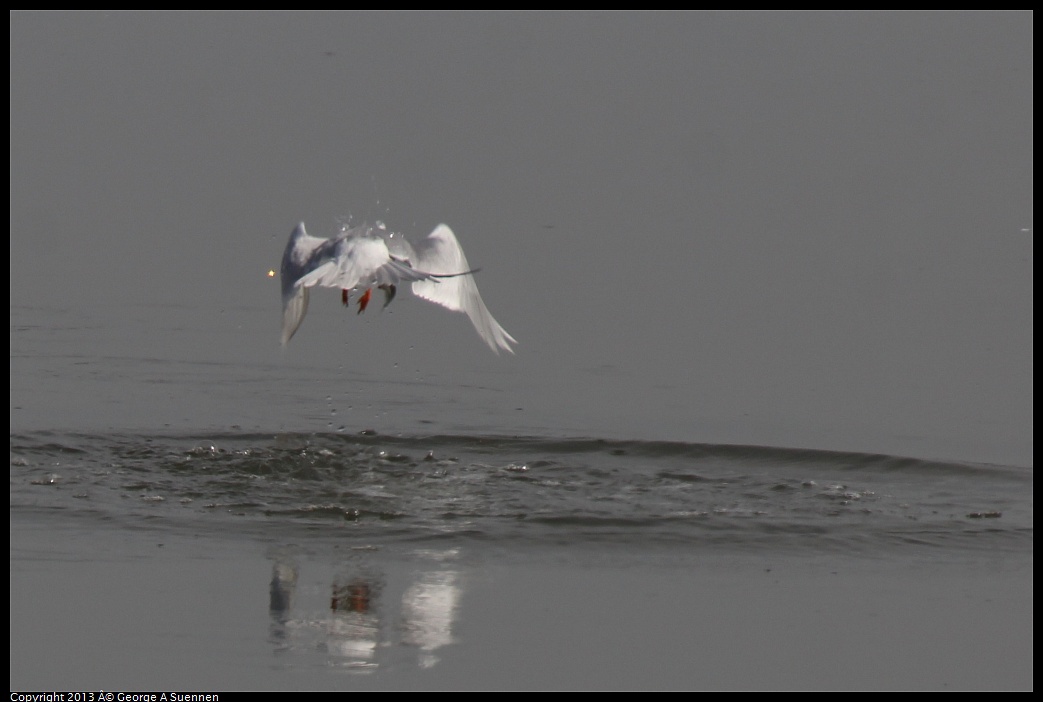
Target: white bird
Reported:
point(364, 257)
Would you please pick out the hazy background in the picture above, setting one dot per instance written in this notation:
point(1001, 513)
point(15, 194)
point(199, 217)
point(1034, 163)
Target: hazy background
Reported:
point(801, 229)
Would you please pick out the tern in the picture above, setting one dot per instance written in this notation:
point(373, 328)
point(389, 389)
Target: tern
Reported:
point(364, 257)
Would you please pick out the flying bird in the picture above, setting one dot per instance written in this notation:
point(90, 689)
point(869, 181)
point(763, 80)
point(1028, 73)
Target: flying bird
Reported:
point(362, 258)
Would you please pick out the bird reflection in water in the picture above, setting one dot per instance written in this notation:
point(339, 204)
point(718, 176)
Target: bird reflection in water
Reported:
point(428, 608)
point(361, 626)
point(280, 602)
point(354, 628)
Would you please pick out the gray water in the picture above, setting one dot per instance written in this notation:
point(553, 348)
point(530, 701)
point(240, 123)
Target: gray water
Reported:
point(771, 278)
point(419, 459)
point(524, 492)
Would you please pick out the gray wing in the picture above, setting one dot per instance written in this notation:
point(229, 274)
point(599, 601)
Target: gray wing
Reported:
point(303, 254)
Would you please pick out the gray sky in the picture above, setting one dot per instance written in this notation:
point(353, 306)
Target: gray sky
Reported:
point(779, 228)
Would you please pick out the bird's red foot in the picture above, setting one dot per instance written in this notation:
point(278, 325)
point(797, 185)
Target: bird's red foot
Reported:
point(364, 300)
point(344, 297)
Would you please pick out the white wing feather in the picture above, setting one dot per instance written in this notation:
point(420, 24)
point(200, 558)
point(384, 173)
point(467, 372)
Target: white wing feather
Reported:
point(440, 254)
point(300, 250)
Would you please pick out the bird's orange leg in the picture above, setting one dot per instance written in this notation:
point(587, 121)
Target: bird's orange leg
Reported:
point(364, 300)
point(344, 297)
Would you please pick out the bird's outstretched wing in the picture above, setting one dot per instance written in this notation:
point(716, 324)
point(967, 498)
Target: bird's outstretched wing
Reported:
point(440, 254)
point(303, 253)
